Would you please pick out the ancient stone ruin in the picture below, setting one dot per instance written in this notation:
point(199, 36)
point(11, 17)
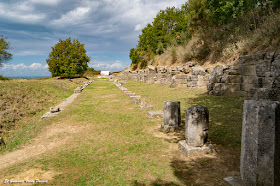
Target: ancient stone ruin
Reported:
point(197, 125)
point(256, 76)
point(186, 75)
point(260, 145)
point(57, 109)
point(171, 116)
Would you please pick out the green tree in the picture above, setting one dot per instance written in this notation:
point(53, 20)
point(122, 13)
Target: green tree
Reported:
point(4, 46)
point(68, 58)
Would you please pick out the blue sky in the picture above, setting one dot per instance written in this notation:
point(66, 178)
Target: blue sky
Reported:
point(108, 28)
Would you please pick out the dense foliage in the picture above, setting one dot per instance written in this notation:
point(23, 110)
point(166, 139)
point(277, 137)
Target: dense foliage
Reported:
point(176, 26)
point(68, 58)
point(4, 46)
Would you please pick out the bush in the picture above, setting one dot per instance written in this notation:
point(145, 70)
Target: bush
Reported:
point(3, 78)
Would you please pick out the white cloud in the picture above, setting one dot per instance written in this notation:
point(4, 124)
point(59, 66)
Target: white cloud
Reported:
point(138, 27)
point(72, 17)
point(21, 13)
point(35, 66)
point(45, 2)
point(35, 69)
point(112, 66)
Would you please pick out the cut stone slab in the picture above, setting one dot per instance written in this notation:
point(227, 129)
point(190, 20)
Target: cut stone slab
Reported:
point(260, 144)
point(122, 82)
point(191, 151)
point(171, 116)
point(234, 181)
point(61, 106)
point(197, 124)
point(155, 114)
point(54, 109)
point(127, 91)
point(146, 107)
point(78, 90)
point(130, 94)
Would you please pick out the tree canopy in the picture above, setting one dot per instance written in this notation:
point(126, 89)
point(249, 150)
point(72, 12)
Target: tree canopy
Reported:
point(4, 46)
point(67, 58)
point(176, 25)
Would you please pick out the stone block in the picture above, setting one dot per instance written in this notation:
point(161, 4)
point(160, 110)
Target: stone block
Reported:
point(197, 125)
point(171, 115)
point(260, 145)
point(130, 94)
point(155, 114)
point(54, 109)
point(233, 79)
point(248, 79)
point(248, 70)
point(145, 107)
point(192, 151)
point(78, 90)
point(252, 59)
point(198, 70)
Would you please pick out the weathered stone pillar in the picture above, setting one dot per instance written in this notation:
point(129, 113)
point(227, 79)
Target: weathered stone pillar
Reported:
point(260, 145)
point(171, 116)
point(197, 125)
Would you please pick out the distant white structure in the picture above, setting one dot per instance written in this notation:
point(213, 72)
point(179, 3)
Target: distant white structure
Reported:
point(104, 74)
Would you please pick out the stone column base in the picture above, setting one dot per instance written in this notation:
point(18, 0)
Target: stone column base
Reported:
point(166, 128)
point(191, 151)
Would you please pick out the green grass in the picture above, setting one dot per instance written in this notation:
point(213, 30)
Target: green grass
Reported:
point(225, 112)
point(23, 102)
point(117, 145)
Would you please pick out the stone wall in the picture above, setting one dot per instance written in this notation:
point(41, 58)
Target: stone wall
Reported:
point(188, 75)
point(255, 76)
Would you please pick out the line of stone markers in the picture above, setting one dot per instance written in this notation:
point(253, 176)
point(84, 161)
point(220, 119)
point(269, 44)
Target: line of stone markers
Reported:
point(56, 110)
point(197, 122)
point(260, 143)
point(143, 105)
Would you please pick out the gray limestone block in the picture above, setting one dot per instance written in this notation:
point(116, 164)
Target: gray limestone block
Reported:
point(171, 115)
point(54, 109)
point(192, 151)
point(263, 67)
point(197, 125)
point(130, 94)
point(145, 107)
point(233, 79)
point(122, 82)
point(260, 145)
point(155, 114)
point(252, 59)
point(198, 70)
point(216, 73)
point(78, 90)
point(248, 70)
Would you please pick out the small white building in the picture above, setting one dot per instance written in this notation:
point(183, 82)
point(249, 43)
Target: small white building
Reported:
point(105, 73)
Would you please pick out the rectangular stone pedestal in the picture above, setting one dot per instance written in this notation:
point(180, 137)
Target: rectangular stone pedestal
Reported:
point(191, 151)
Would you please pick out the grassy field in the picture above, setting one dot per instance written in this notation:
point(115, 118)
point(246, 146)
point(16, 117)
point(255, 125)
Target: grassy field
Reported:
point(22, 101)
point(104, 139)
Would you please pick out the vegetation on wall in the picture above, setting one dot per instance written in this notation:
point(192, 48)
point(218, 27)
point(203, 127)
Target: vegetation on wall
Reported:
point(208, 30)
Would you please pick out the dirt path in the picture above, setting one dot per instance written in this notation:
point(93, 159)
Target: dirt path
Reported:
point(54, 136)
